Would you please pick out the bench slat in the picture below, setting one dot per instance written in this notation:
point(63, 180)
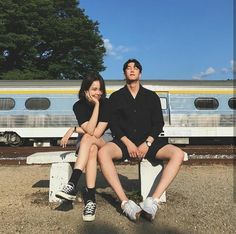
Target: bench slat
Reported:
point(51, 157)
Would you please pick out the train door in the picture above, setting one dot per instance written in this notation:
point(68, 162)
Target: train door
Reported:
point(164, 97)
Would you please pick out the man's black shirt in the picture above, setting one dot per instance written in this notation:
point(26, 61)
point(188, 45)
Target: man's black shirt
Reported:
point(136, 118)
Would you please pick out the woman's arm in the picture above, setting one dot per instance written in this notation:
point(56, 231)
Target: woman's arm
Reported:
point(99, 130)
point(68, 134)
point(89, 126)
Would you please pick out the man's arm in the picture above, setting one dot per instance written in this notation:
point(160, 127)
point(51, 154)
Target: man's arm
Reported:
point(115, 118)
point(157, 118)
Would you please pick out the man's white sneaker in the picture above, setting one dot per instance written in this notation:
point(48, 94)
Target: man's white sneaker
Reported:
point(149, 206)
point(132, 210)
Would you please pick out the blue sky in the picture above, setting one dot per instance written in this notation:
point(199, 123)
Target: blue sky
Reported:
point(173, 39)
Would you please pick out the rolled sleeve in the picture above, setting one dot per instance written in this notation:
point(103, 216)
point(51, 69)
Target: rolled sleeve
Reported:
point(157, 118)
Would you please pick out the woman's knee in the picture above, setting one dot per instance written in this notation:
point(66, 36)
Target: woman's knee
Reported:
point(103, 154)
point(86, 138)
point(93, 152)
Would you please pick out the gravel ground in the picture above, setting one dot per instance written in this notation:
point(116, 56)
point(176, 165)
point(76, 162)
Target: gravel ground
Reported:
point(200, 200)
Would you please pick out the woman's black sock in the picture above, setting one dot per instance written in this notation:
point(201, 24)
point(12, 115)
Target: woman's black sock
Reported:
point(75, 176)
point(90, 195)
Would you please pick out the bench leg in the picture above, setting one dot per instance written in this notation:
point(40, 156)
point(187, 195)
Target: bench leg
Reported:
point(59, 176)
point(149, 177)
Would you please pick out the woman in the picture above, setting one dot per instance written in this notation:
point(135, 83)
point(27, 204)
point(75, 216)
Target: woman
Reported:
point(92, 113)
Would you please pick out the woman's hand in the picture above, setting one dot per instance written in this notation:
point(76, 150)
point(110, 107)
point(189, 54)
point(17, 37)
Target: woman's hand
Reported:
point(65, 138)
point(91, 98)
point(64, 141)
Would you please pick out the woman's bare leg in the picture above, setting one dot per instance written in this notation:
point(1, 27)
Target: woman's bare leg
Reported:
point(84, 150)
point(91, 167)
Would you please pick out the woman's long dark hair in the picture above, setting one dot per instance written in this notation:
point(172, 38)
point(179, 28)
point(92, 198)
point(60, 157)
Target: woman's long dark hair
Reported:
point(87, 82)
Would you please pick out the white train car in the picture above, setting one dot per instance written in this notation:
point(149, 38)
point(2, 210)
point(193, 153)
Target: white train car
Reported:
point(194, 111)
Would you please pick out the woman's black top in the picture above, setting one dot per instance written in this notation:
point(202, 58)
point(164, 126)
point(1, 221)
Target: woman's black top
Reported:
point(83, 110)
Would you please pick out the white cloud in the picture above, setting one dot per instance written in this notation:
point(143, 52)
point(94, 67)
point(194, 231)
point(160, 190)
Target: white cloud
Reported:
point(233, 65)
point(209, 71)
point(115, 51)
point(225, 70)
point(231, 69)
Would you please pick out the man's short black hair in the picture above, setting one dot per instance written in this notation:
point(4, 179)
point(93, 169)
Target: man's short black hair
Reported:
point(136, 64)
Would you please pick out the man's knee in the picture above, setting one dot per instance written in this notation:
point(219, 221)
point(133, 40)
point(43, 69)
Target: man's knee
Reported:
point(171, 152)
point(179, 155)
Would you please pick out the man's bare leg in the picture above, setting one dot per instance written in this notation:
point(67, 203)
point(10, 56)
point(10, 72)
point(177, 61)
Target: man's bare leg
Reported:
point(105, 156)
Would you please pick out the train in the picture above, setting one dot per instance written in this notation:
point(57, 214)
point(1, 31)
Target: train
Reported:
point(195, 111)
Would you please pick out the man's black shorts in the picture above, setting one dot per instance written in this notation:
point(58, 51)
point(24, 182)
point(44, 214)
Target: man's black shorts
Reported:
point(150, 156)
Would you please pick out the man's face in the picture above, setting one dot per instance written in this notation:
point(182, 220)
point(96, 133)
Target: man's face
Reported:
point(132, 73)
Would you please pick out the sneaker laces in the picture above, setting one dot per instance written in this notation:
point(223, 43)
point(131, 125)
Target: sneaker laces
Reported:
point(150, 206)
point(129, 210)
point(155, 206)
point(89, 208)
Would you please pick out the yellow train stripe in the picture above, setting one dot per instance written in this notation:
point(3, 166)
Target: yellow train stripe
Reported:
point(202, 91)
point(39, 91)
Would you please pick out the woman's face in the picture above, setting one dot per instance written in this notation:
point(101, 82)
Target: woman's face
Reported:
point(95, 90)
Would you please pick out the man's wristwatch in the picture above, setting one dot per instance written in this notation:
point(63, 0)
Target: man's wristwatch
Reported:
point(148, 143)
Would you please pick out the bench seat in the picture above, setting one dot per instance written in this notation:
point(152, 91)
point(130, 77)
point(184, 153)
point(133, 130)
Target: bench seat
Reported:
point(62, 166)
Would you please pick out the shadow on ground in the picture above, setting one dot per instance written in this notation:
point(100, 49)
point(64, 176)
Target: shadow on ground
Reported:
point(137, 228)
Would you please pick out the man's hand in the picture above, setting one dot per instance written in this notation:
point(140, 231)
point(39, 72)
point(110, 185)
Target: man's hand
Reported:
point(143, 149)
point(132, 149)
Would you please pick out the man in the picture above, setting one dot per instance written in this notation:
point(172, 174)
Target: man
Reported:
point(136, 122)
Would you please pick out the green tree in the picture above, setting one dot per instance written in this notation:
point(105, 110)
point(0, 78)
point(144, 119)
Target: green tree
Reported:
point(48, 39)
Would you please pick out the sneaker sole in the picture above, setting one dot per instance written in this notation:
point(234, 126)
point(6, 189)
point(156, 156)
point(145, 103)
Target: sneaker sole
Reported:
point(88, 218)
point(137, 216)
point(147, 216)
point(62, 195)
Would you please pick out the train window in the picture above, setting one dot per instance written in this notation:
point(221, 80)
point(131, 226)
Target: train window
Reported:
point(232, 103)
point(37, 103)
point(206, 103)
point(7, 103)
point(163, 103)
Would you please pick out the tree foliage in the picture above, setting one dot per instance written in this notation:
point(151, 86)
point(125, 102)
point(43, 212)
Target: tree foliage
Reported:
point(48, 39)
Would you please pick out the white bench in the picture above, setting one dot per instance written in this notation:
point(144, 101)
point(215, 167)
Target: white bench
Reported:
point(61, 169)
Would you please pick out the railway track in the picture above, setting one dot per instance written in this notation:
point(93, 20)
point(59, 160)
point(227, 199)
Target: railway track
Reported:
point(198, 154)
